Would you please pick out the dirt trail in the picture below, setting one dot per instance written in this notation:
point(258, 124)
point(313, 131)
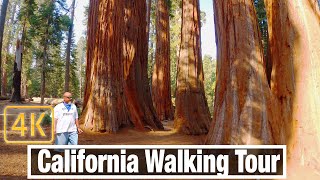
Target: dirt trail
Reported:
point(13, 158)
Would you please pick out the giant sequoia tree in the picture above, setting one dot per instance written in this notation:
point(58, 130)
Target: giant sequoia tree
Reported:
point(242, 98)
point(192, 115)
point(161, 90)
point(117, 91)
point(294, 35)
point(135, 52)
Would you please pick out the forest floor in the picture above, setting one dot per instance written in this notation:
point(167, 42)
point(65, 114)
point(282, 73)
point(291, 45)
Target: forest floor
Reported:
point(13, 158)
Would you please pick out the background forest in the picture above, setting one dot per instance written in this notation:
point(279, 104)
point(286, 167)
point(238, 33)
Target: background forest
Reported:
point(140, 64)
point(29, 16)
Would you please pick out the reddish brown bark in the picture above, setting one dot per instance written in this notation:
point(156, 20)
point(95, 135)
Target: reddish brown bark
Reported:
point(161, 90)
point(137, 88)
point(294, 33)
point(117, 91)
point(91, 41)
point(192, 114)
point(105, 107)
point(243, 100)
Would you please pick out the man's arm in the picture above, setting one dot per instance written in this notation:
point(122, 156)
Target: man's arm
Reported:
point(77, 121)
point(78, 126)
point(55, 126)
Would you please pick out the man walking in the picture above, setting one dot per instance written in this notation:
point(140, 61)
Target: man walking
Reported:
point(66, 122)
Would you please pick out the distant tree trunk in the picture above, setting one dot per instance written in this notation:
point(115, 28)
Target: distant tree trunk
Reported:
point(7, 48)
point(4, 8)
point(116, 85)
point(137, 89)
point(43, 74)
point(192, 114)
point(67, 72)
point(294, 35)
point(161, 80)
point(243, 97)
point(16, 94)
point(24, 86)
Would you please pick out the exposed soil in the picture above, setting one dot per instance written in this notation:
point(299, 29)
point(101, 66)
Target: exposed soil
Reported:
point(13, 158)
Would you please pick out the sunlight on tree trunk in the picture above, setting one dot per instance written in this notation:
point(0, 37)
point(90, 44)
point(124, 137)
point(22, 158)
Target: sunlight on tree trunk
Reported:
point(192, 114)
point(117, 91)
point(243, 97)
point(294, 27)
point(105, 108)
point(161, 90)
point(137, 89)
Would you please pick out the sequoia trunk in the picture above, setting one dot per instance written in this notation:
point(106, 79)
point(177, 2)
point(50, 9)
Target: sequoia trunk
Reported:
point(161, 90)
point(105, 105)
point(137, 89)
point(192, 114)
point(243, 98)
point(294, 35)
point(117, 91)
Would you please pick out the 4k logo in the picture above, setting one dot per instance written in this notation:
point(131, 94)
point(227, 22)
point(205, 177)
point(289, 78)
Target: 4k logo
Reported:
point(25, 126)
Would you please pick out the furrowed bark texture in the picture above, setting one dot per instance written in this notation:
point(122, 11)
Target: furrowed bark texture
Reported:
point(117, 90)
point(243, 99)
point(135, 53)
point(105, 104)
point(161, 90)
point(294, 33)
point(192, 113)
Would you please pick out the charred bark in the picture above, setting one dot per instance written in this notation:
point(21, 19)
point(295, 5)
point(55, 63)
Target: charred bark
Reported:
point(161, 90)
point(242, 113)
point(16, 83)
point(192, 114)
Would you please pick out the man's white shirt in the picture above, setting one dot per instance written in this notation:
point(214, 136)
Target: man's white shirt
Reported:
point(66, 120)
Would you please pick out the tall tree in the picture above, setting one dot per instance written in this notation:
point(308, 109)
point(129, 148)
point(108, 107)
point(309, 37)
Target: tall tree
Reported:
point(294, 33)
point(27, 11)
point(161, 90)
point(48, 29)
point(137, 88)
point(243, 97)
point(11, 27)
point(116, 77)
point(3, 14)
point(70, 35)
point(192, 114)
